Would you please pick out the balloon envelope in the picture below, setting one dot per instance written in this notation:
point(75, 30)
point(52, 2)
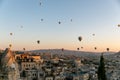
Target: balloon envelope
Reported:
point(93, 34)
point(107, 49)
point(11, 34)
point(80, 38)
point(10, 45)
point(95, 48)
point(40, 3)
point(38, 41)
point(24, 49)
point(81, 47)
point(62, 49)
point(21, 26)
point(118, 25)
point(41, 19)
point(59, 22)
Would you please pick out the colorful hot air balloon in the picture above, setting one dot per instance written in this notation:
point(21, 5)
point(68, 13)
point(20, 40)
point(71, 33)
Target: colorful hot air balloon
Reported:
point(80, 38)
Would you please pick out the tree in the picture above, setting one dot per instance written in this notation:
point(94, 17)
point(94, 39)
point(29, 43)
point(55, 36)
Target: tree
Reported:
point(101, 69)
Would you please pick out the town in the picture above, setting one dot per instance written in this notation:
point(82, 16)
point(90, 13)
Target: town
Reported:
point(26, 65)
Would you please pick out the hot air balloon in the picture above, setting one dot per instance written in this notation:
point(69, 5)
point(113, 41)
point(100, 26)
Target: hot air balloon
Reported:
point(107, 49)
point(81, 47)
point(71, 20)
point(10, 45)
point(11, 34)
point(24, 49)
point(80, 38)
point(41, 19)
point(118, 25)
point(95, 48)
point(21, 26)
point(38, 41)
point(93, 34)
point(59, 22)
point(40, 3)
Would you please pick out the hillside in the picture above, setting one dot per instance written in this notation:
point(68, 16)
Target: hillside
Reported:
point(70, 52)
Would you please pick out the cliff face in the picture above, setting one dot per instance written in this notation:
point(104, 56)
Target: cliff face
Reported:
point(9, 66)
point(7, 58)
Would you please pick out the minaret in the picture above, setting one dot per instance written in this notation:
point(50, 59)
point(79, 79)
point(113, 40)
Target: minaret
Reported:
point(62, 52)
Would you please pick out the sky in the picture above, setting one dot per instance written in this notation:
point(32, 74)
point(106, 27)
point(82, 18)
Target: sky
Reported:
point(22, 18)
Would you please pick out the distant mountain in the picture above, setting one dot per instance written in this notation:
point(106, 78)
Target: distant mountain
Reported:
point(118, 53)
point(70, 52)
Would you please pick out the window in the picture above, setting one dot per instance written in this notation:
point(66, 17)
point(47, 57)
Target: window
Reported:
point(35, 74)
point(24, 65)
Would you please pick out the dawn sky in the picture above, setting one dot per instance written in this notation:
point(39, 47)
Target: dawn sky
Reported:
point(32, 20)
